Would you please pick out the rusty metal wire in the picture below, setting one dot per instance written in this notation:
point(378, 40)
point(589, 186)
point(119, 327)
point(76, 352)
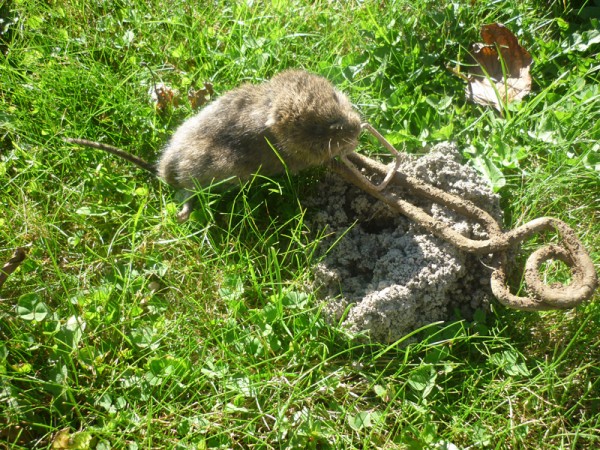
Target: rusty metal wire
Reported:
point(584, 279)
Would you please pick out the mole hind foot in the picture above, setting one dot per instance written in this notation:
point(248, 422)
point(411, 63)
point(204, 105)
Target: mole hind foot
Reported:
point(184, 213)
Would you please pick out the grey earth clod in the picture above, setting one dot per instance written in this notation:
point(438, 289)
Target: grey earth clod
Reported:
point(392, 276)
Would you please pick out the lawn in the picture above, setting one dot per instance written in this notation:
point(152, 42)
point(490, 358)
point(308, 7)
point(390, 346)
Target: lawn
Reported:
point(125, 329)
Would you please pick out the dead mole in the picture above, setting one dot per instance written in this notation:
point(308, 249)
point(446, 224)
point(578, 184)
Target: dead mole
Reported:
point(293, 121)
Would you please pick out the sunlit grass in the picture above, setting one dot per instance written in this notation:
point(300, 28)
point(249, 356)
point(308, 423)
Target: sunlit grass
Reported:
point(126, 329)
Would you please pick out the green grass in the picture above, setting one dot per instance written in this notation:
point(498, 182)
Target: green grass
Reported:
point(129, 330)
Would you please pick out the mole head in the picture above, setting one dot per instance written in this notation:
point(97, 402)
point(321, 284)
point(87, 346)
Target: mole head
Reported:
point(314, 121)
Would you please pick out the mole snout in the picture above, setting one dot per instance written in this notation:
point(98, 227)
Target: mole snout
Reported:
point(344, 133)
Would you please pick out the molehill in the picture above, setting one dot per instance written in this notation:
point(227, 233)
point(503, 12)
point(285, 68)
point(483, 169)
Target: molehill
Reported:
point(388, 274)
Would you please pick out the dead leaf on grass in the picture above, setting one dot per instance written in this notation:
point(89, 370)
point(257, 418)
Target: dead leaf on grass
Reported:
point(500, 73)
point(199, 97)
point(66, 440)
point(163, 96)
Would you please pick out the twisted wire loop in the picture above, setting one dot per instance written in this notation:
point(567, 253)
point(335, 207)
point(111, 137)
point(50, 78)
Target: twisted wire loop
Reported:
point(584, 280)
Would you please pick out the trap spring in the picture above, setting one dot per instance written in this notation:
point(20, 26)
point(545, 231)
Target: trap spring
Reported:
point(584, 280)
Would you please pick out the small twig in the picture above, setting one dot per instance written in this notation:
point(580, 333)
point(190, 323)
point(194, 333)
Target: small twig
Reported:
point(12, 264)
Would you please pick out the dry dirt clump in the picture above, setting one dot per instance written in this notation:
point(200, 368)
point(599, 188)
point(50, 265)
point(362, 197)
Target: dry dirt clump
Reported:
point(388, 274)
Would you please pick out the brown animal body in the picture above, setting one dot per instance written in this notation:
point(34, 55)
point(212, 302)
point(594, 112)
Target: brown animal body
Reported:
point(295, 120)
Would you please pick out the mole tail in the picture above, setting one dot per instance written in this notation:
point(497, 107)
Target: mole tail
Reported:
point(117, 152)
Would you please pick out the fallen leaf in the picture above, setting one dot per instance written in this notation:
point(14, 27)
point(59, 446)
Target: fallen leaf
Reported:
point(163, 96)
point(500, 74)
point(65, 440)
point(61, 439)
point(199, 97)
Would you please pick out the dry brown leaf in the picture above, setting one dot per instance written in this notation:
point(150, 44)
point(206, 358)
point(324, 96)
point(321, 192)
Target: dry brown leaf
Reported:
point(163, 96)
point(199, 97)
point(500, 73)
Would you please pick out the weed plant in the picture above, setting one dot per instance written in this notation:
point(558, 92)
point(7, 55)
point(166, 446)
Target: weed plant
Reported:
point(124, 329)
